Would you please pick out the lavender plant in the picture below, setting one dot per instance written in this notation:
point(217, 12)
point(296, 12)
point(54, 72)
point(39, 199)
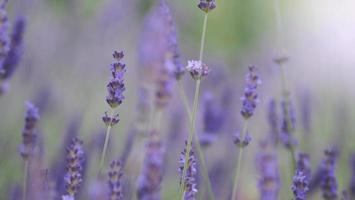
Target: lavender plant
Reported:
point(115, 186)
point(29, 135)
point(189, 181)
point(115, 89)
point(249, 102)
point(74, 166)
point(329, 183)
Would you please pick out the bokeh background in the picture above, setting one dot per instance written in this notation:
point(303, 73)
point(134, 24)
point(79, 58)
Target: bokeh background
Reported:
point(65, 67)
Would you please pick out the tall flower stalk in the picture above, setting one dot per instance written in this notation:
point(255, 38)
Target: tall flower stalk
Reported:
point(115, 89)
point(249, 102)
point(198, 70)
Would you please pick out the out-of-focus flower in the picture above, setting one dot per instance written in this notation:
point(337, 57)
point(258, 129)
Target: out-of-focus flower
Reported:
point(207, 5)
point(273, 120)
point(189, 183)
point(29, 132)
point(269, 181)
point(304, 165)
point(329, 183)
point(152, 173)
point(250, 97)
point(352, 181)
point(287, 124)
point(242, 142)
point(197, 69)
point(114, 182)
point(4, 34)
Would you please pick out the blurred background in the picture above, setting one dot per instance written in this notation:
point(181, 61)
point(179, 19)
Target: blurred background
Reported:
point(65, 69)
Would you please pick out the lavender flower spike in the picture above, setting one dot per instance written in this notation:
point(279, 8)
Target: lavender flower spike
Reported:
point(300, 185)
point(207, 5)
point(29, 133)
point(250, 98)
point(4, 35)
point(273, 120)
point(115, 186)
point(197, 69)
point(189, 183)
point(329, 183)
point(73, 177)
point(269, 182)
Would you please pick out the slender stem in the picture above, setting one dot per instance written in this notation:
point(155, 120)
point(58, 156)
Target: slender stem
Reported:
point(104, 150)
point(203, 36)
point(238, 165)
point(25, 177)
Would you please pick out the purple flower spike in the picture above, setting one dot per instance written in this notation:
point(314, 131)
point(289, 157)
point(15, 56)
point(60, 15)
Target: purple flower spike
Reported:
point(29, 132)
point(269, 181)
point(197, 69)
point(329, 183)
point(304, 165)
point(4, 35)
point(300, 185)
point(116, 85)
point(287, 124)
point(114, 182)
point(273, 120)
point(75, 159)
point(250, 97)
point(207, 5)
point(190, 179)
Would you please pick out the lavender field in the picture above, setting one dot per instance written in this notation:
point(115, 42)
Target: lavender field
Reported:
point(177, 100)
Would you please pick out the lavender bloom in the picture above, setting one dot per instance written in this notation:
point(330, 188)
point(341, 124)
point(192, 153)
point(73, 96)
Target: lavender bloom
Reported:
point(304, 165)
point(288, 124)
point(250, 98)
point(164, 90)
point(329, 183)
point(241, 143)
point(152, 172)
point(269, 181)
point(15, 52)
point(345, 195)
point(273, 120)
point(29, 132)
point(4, 35)
point(197, 69)
point(207, 5)
point(115, 88)
point(212, 120)
point(300, 185)
point(352, 181)
point(114, 182)
point(75, 159)
point(189, 182)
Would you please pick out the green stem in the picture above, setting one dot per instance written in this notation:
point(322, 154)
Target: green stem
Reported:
point(238, 165)
point(104, 150)
point(184, 99)
point(25, 177)
point(203, 36)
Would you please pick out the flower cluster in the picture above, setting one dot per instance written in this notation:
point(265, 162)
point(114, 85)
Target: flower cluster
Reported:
point(29, 132)
point(197, 69)
point(329, 183)
point(207, 5)
point(189, 183)
point(304, 165)
point(300, 185)
point(242, 142)
point(4, 35)
point(114, 182)
point(74, 166)
point(269, 181)
point(115, 88)
point(250, 97)
point(152, 172)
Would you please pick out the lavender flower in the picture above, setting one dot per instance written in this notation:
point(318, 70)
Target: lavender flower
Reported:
point(207, 5)
point(115, 88)
point(197, 69)
point(164, 90)
point(242, 142)
point(212, 120)
point(273, 120)
point(300, 185)
point(329, 183)
point(288, 124)
point(250, 98)
point(114, 182)
point(152, 172)
point(304, 165)
point(15, 52)
point(269, 181)
point(73, 177)
point(29, 132)
point(4, 35)
point(189, 183)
